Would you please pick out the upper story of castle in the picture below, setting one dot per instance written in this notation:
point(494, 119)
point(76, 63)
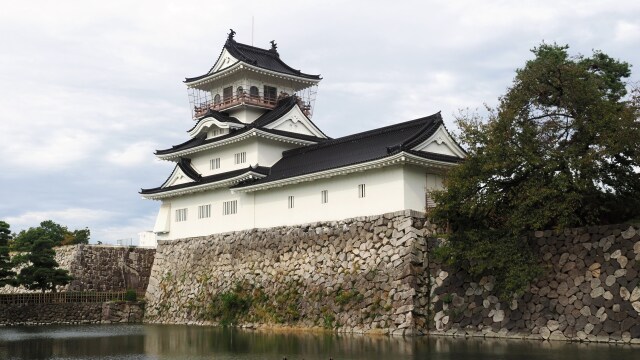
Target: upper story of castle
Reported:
point(247, 81)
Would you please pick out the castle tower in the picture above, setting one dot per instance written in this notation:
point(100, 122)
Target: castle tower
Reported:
point(255, 159)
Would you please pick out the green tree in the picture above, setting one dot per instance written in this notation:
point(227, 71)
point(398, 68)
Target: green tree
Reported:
point(560, 150)
point(7, 275)
point(60, 235)
point(42, 272)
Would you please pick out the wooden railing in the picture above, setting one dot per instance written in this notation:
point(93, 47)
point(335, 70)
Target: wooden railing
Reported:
point(63, 297)
point(224, 103)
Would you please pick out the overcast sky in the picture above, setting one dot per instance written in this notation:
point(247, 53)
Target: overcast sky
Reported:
point(89, 89)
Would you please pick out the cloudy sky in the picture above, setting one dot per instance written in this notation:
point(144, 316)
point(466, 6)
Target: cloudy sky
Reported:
point(89, 89)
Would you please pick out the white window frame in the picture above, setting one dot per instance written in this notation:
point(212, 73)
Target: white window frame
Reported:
point(204, 211)
point(240, 158)
point(362, 191)
point(291, 202)
point(324, 196)
point(214, 164)
point(181, 214)
point(230, 207)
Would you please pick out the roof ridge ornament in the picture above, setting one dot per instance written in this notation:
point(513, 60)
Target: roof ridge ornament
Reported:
point(231, 35)
point(274, 47)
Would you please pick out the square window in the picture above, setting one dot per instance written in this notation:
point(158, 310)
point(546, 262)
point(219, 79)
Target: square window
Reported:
point(204, 211)
point(181, 215)
point(230, 207)
point(240, 158)
point(214, 164)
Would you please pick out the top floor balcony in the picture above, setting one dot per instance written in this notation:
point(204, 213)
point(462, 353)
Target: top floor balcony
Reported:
point(201, 101)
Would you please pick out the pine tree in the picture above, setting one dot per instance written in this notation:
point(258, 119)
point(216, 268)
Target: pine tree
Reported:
point(42, 272)
point(7, 275)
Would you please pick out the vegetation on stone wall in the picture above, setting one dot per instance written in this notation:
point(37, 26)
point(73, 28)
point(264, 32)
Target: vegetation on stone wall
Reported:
point(60, 235)
point(560, 150)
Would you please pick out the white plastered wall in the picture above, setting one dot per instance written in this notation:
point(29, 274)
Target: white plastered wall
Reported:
point(200, 161)
point(384, 193)
point(193, 226)
point(388, 189)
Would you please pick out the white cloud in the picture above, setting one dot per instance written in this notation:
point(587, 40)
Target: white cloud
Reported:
point(627, 32)
point(71, 217)
point(133, 155)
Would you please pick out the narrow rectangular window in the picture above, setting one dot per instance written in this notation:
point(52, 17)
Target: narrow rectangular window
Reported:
point(230, 207)
point(181, 215)
point(270, 93)
point(361, 191)
point(290, 201)
point(324, 196)
point(240, 158)
point(204, 211)
point(214, 164)
point(227, 93)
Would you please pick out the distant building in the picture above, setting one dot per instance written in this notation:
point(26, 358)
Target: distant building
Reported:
point(255, 159)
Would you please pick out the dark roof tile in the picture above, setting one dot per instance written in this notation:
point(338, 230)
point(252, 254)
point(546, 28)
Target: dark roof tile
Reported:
point(262, 58)
point(207, 179)
point(353, 149)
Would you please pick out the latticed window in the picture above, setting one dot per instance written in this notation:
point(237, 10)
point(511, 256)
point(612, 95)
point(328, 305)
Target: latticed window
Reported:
point(240, 158)
point(291, 202)
point(324, 196)
point(214, 164)
point(230, 207)
point(181, 215)
point(361, 191)
point(204, 211)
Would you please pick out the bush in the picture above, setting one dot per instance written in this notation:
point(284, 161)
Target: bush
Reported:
point(131, 295)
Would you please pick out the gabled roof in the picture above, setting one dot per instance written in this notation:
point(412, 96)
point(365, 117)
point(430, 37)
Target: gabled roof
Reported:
point(218, 115)
point(262, 58)
point(283, 106)
point(202, 180)
point(355, 149)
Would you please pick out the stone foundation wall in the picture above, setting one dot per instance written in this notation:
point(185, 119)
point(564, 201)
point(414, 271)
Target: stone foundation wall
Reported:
point(102, 268)
point(590, 292)
point(71, 313)
point(365, 274)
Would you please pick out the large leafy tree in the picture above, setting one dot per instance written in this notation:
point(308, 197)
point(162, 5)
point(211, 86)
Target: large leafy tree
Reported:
point(560, 150)
point(58, 234)
point(42, 272)
point(7, 275)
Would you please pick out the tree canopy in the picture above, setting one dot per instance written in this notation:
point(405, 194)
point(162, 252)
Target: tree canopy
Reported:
point(560, 150)
point(58, 234)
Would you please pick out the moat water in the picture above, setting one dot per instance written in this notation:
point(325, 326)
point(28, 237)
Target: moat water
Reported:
point(160, 342)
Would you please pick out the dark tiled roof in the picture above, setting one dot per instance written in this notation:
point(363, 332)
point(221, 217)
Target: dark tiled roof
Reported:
point(354, 149)
point(218, 115)
point(185, 165)
point(262, 58)
point(270, 116)
point(207, 179)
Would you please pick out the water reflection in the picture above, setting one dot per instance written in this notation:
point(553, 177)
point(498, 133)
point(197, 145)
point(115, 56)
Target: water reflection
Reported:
point(189, 342)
